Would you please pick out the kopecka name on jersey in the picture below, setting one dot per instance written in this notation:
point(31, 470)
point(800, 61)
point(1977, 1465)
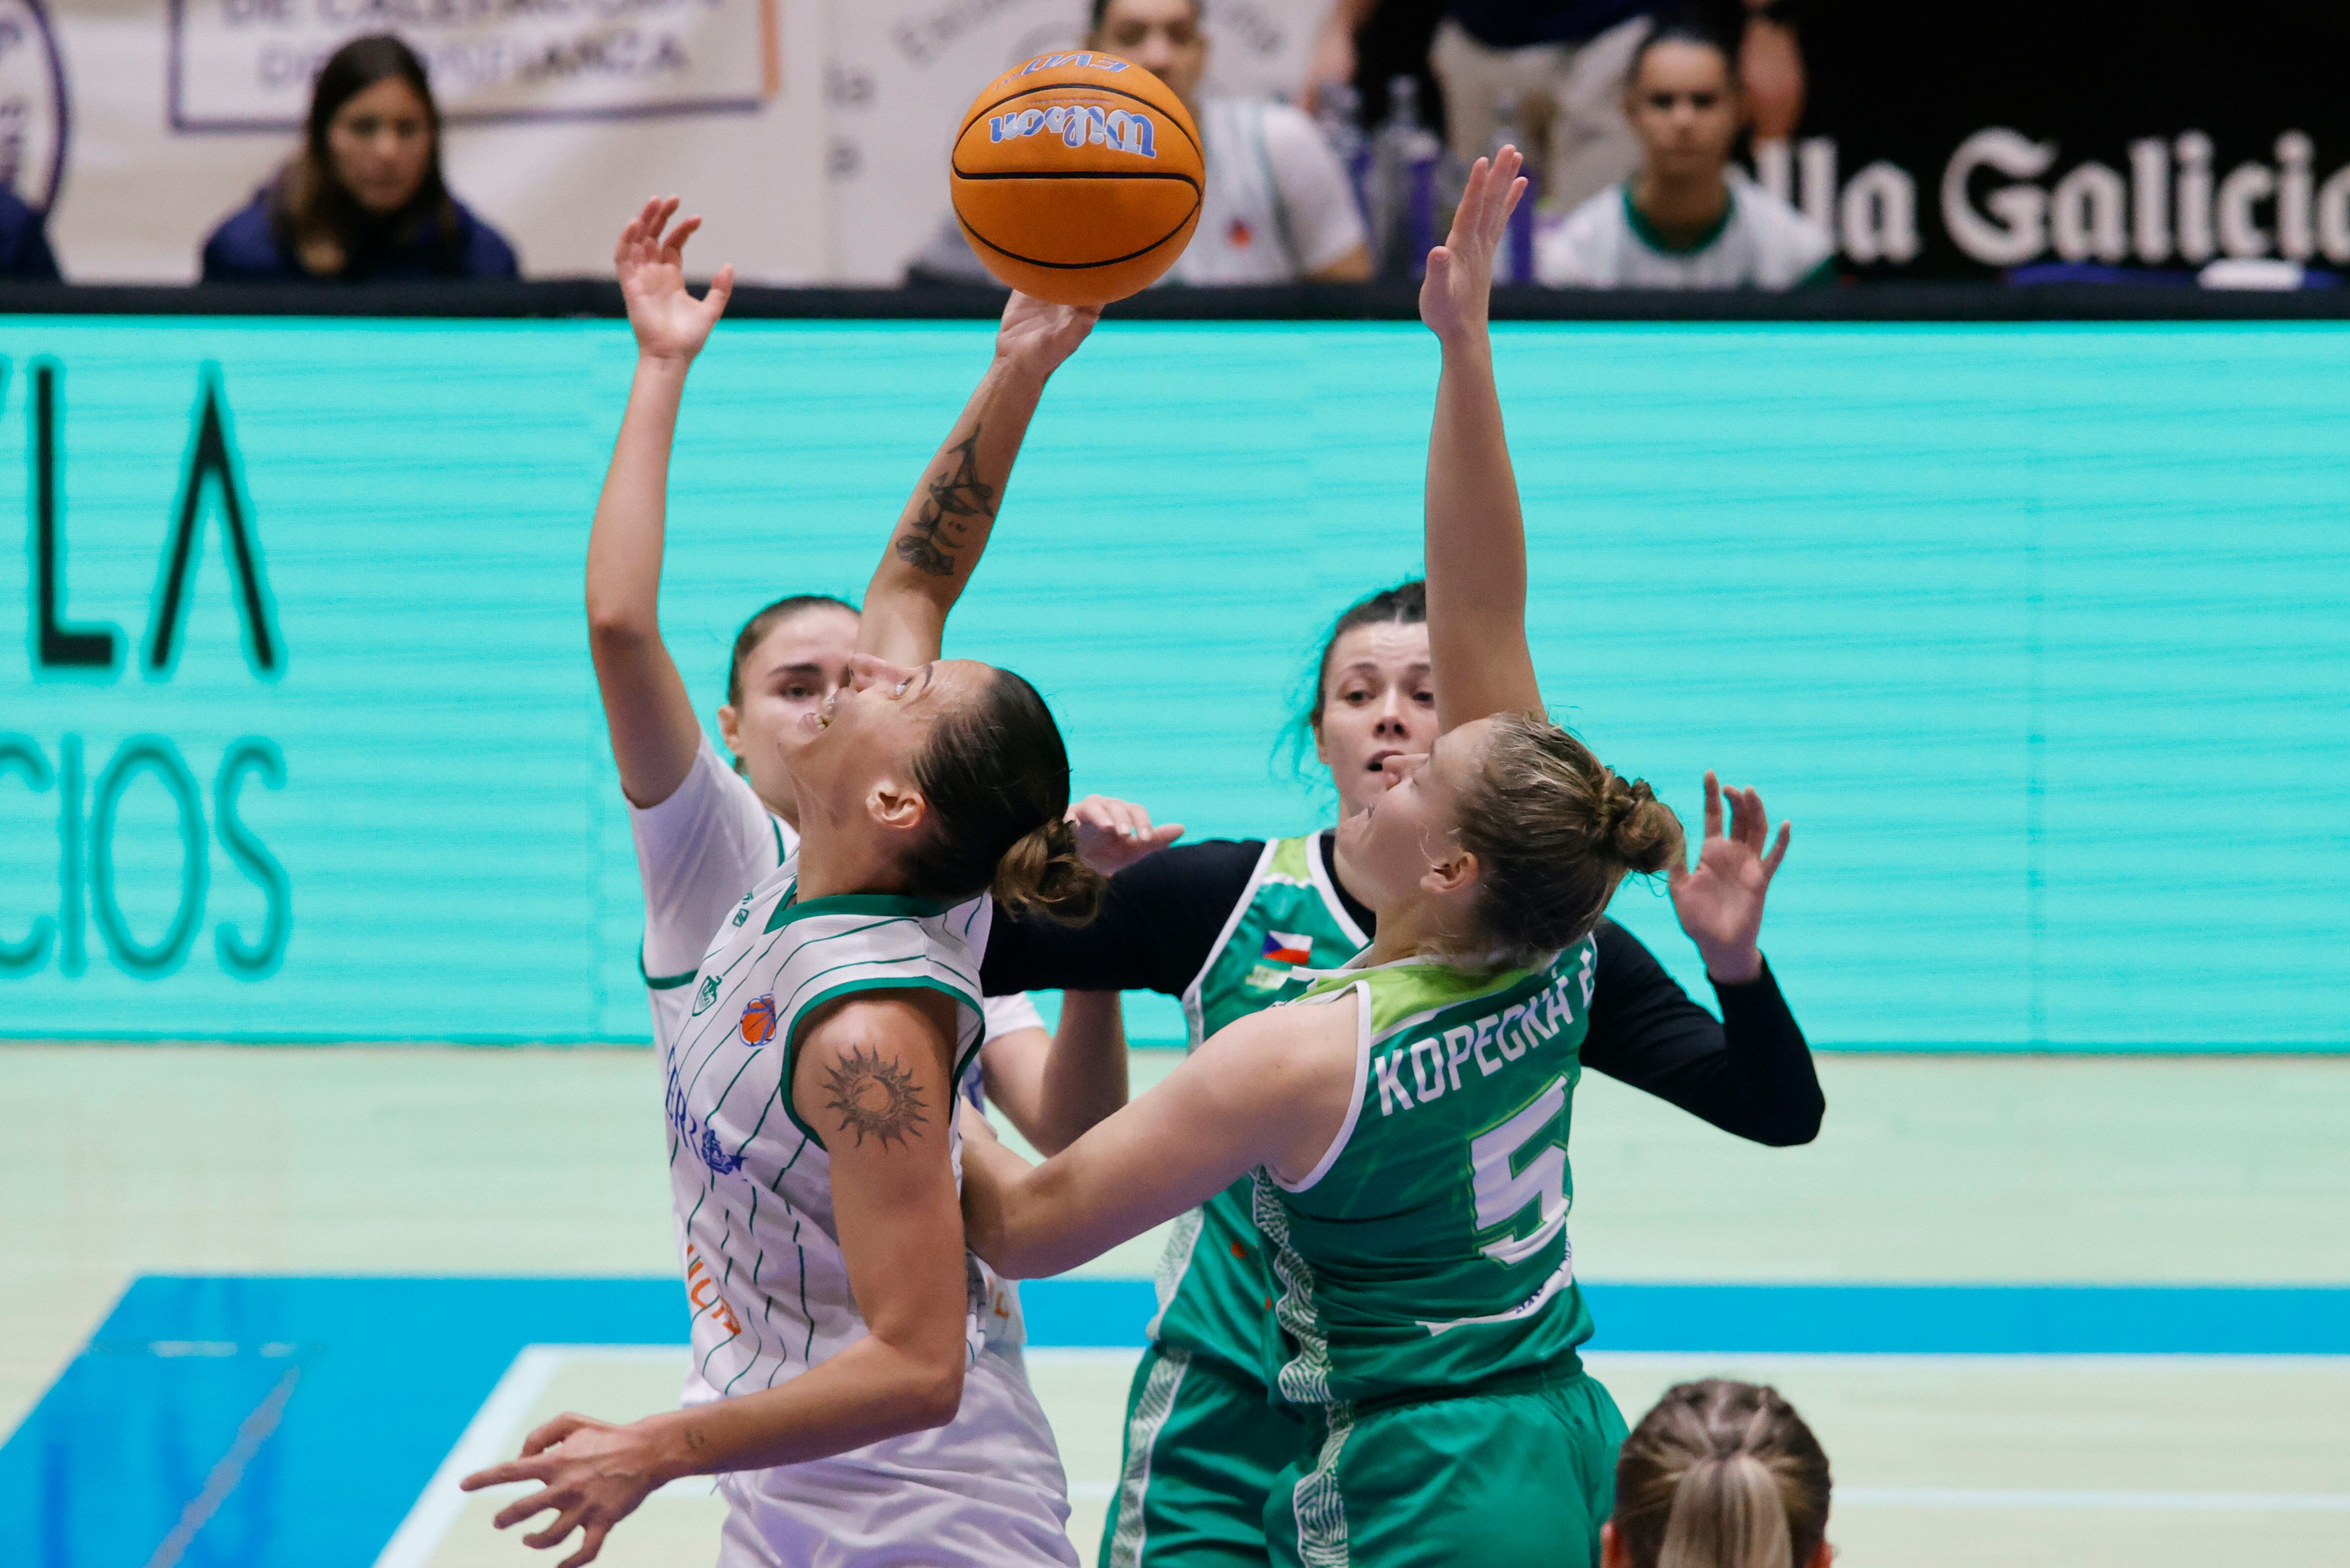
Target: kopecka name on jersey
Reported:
point(1416, 1072)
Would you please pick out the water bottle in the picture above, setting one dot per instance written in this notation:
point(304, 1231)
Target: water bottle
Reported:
point(1341, 122)
point(1403, 156)
point(1515, 261)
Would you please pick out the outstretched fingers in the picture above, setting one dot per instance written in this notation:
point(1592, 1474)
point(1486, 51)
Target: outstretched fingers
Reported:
point(1778, 850)
point(593, 1541)
point(1712, 804)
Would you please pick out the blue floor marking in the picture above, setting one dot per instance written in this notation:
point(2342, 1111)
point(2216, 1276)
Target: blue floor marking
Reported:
point(389, 1370)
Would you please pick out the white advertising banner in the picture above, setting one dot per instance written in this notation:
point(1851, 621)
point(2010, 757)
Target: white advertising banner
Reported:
point(244, 65)
point(166, 115)
point(812, 134)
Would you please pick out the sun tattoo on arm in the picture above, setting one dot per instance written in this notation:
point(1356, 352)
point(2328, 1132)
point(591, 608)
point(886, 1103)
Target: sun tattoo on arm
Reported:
point(873, 1095)
point(930, 540)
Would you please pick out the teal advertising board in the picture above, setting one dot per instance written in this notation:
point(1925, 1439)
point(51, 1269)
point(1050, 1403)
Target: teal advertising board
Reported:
point(2038, 634)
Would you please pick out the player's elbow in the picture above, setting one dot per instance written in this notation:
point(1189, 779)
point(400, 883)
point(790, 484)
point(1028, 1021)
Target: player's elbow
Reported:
point(617, 626)
point(933, 1393)
point(1798, 1124)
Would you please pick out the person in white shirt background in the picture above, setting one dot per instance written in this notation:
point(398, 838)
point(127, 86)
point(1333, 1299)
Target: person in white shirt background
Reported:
point(1686, 218)
point(1278, 206)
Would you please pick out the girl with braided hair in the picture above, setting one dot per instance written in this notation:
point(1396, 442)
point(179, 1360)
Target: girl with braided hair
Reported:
point(1720, 1475)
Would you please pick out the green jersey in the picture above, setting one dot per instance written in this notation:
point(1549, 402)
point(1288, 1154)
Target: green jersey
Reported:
point(1428, 1250)
point(1215, 1294)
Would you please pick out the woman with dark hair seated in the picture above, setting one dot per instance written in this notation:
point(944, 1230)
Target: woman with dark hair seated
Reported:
point(25, 255)
point(363, 201)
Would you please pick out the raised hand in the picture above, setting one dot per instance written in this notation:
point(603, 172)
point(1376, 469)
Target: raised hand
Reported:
point(669, 322)
point(1038, 336)
point(591, 1472)
point(1721, 902)
point(1455, 297)
point(1112, 835)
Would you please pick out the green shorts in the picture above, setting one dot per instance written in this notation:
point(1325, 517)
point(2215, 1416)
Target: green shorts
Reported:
point(1204, 1448)
point(1505, 1479)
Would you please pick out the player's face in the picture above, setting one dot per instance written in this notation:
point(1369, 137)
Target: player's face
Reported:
point(1685, 108)
point(1162, 37)
point(1387, 852)
point(1378, 702)
point(802, 661)
point(866, 735)
point(379, 142)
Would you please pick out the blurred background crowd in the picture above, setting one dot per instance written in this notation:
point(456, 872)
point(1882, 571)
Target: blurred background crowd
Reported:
point(1672, 145)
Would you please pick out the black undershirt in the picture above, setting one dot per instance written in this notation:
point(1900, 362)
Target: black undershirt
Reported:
point(1751, 1073)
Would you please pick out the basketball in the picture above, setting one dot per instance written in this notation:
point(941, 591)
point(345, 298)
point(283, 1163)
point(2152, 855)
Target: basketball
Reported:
point(1076, 178)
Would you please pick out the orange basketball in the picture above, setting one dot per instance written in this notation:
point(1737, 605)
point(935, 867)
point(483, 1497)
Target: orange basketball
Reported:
point(1076, 178)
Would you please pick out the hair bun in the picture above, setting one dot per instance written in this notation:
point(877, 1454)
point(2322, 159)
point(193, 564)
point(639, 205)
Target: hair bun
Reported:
point(1042, 874)
point(1639, 830)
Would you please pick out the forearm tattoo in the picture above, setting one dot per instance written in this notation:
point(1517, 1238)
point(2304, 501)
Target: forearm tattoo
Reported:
point(930, 541)
point(873, 1095)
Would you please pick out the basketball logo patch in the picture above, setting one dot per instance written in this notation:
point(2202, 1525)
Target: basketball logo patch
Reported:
point(759, 1022)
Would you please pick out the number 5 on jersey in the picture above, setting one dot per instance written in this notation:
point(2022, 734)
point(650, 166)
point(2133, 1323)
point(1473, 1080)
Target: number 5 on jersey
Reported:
point(1518, 1164)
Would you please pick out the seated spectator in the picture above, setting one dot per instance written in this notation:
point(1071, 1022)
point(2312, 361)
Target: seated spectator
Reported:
point(363, 200)
point(1686, 219)
point(1719, 1475)
point(25, 256)
point(1278, 206)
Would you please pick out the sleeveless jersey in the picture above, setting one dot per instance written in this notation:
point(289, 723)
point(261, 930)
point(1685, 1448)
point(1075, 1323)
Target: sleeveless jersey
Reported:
point(1427, 1251)
point(1214, 1294)
point(752, 1183)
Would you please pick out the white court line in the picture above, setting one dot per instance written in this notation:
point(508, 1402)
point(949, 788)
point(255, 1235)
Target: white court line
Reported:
point(2127, 1501)
point(489, 1437)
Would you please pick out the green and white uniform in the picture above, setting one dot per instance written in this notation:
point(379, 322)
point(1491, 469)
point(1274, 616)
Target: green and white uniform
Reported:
point(761, 1255)
point(1426, 1293)
point(1202, 1443)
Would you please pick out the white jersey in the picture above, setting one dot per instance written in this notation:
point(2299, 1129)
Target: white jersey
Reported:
point(698, 853)
point(1761, 243)
point(1278, 205)
point(769, 1287)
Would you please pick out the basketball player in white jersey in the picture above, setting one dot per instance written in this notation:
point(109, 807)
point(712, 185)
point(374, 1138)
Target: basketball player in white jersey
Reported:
point(855, 1396)
point(706, 832)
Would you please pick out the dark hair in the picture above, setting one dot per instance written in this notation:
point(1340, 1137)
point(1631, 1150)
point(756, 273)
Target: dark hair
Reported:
point(319, 221)
point(1685, 27)
point(1101, 10)
point(1406, 604)
point(754, 632)
point(1721, 1475)
point(1554, 830)
point(996, 779)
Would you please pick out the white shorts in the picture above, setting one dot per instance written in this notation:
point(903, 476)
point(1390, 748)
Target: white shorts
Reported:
point(983, 1491)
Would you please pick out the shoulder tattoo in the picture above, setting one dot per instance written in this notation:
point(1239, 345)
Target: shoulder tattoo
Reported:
point(873, 1095)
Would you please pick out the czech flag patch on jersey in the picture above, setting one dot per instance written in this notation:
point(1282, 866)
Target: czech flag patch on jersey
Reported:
point(759, 1022)
point(1288, 947)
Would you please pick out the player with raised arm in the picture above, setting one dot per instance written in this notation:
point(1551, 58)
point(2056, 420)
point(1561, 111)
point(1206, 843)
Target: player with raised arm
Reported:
point(1403, 1125)
point(705, 831)
point(1232, 927)
point(858, 1407)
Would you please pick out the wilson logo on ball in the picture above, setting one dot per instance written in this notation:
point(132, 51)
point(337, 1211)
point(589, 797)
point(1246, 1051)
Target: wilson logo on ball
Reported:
point(1054, 62)
point(1078, 126)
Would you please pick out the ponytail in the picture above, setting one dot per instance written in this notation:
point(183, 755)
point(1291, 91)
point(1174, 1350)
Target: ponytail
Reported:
point(1042, 875)
point(1727, 1513)
point(1721, 1475)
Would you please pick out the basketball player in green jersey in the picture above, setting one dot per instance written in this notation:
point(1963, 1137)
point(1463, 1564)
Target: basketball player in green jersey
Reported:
point(1227, 927)
point(1406, 1122)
